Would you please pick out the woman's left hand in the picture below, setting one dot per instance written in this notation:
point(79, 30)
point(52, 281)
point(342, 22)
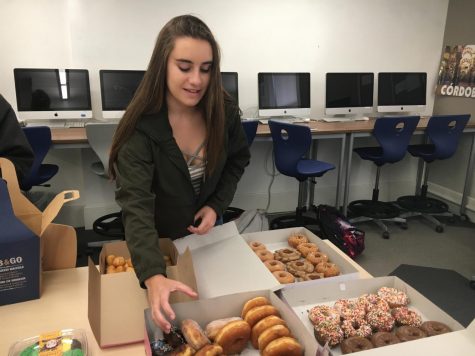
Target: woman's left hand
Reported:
point(208, 218)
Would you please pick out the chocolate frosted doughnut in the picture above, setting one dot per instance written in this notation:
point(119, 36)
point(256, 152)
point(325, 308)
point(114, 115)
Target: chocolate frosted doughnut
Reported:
point(328, 331)
point(409, 333)
point(355, 344)
point(384, 338)
point(432, 328)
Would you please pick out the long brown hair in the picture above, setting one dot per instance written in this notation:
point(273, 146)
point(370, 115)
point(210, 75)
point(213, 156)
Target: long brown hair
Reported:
point(150, 96)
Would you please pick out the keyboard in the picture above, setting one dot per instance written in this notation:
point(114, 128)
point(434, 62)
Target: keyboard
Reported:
point(291, 120)
point(51, 124)
point(75, 124)
point(344, 119)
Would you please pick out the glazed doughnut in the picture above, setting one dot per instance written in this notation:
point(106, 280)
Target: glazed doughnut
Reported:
point(323, 312)
point(299, 268)
point(234, 336)
point(316, 257)
point(384, 338)
point(259, 313)
point(252, 303)
point(328, 269)
point(356, 327)
point(286, 254)
point(349, 309)
point(183, 350)
point(213, 327)
point(286, 345)
point(394, 297)
point(264, 255)
point(432, 328)
point(270, 334)
point(408, 333)
point(256, 245)
point(296, 239)
point(262, 325)
point(193, 334)
point(284, 277)
point(355, 344)
point(405, 316)
point(306, 248)
point(210, 350)
point(273, 265)
point(328, 331)
point(312, 276)
point(380, 320)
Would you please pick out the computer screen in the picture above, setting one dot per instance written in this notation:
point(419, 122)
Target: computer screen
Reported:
point(284, 94)
point(230, 84)
point(349, 93)
point(401, 92)
point(46, 94)
point(117, 90)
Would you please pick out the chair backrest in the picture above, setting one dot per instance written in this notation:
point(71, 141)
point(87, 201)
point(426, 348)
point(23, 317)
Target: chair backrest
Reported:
point(250, 128)
point(39, 138)
point(291, 144)
point(444, 132)
point(99, 136)
point(393, 135)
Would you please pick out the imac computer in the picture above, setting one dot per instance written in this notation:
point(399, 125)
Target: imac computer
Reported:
point(230, 84)
point(49, 94)
point(284, 94)
point(402, 92)
point(349, 93)
point(117, 90)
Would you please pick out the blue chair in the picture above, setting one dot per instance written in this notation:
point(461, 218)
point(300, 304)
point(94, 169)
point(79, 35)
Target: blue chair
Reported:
point(250, 128)
point(393, 135)
point(444, 134)
point(292, 144)
point(39, 138)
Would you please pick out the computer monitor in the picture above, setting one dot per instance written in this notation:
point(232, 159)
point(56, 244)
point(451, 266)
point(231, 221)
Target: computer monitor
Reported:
point(402, 92)
point(349, 93)
point(48, 94)
point(230, 84)
point(284, 94)
point(117, 90)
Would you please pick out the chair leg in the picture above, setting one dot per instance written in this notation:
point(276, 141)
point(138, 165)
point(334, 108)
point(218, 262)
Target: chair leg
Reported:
point(383, 227)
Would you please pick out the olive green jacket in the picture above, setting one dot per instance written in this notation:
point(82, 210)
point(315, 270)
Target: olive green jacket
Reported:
point(154, 186)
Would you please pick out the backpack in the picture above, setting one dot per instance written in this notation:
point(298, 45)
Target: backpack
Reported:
point(335, 227)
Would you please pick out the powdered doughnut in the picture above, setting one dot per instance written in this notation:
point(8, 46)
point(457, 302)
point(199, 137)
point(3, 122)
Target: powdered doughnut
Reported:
point(328, 331)
point(264, 255)
point(193, 334)
point(210, 350)
point(384, 338)
point(356, 327)
point(296, 239)
point(273, 265)
point(252, 303)
point(287, 346)
point(287, 254)
point(320, 313)
point(284, 277)
point(234, 336)
point(270, 334)
point(316, 257)
point(213, 327)
point(405, 316)
point(299, 268)
point(380, 320)
point(306, 248)
point(394, 297)
point(256, 245)
point(432, 328)
point(328, 269)
point(259, 313)
point(262, 325)
point(312, 276)
point(355, 344)
point(409, 333)
point(349, 309)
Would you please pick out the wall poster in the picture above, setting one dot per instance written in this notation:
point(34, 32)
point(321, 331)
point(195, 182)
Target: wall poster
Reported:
point(457, 72)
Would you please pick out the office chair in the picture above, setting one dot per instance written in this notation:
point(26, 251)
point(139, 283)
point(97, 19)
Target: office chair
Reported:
point(444, 133)
point(291, 147)
point(393, 135)
point(39, 138)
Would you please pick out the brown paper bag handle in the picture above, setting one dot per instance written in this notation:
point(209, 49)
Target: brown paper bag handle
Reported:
point(55, 205)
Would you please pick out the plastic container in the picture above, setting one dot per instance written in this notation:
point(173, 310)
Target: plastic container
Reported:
point(66, 342)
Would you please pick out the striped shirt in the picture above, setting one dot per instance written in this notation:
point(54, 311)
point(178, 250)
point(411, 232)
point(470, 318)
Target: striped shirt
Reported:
point(196, 170)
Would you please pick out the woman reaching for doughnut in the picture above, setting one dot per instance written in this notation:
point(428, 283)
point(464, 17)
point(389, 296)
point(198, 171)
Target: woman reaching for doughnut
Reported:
point(177, 155)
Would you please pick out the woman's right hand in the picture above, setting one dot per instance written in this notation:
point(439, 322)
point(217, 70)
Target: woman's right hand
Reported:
point(158, 289)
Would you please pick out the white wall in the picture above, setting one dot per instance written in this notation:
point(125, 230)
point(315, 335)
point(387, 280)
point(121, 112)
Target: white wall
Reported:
point(302, 35)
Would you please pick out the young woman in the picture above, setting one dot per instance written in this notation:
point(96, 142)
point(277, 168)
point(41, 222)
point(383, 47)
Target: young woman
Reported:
point(177, 155)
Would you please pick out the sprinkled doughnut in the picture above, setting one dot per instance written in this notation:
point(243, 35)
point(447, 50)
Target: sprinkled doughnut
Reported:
point(356, 327)
point(432, 328)
point(384, 338)
point(264, 255)
point(321, 313)
point(394, 297)
point(349, 309)
point(405, 316)
point(284, 277)
point(273, 265)
point(296, 239)
point(355, 344)
point(306, 248)
point(313, 276)
point(299, 268)
point(370, 301)
point(409, 333)
point(316, 257)
point(380, 320)
point(256, 245)
point(328, 269)
point(287, 254)
point(328, 331)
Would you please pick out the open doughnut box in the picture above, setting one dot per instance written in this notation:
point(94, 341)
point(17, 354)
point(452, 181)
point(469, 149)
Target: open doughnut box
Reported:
point(304, 297)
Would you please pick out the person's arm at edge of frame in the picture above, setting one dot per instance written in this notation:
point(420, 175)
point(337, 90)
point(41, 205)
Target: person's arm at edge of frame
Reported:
point(134, 195)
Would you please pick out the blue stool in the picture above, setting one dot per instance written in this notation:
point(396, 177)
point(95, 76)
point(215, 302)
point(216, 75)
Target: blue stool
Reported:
point(444, 134)
point(393, 135)
point(291, 147)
